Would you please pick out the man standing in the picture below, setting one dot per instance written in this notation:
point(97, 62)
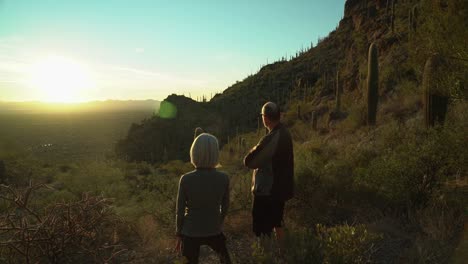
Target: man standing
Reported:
point(273, 177)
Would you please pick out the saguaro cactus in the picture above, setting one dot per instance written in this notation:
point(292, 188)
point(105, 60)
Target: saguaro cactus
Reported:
point(338, 92)
point(372, 85)
point(258, 126)
point(2, 172)
point(198, 131)
point(414, 20)
point(298, 111)
point(314, 120)
point(393, 16)
point(435, 100)
point(240, 140)
point(410, 22)
point(165, 156)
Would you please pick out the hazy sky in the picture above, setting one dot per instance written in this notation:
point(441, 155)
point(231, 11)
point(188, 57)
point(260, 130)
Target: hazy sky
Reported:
point(142, 49)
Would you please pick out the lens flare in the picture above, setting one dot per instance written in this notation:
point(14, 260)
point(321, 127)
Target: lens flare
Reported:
point(167, 110)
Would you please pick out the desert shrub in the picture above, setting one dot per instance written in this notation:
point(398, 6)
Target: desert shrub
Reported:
point(338, 175)
point(66, 232)
point(338, 244)
point(265, 250)
point(302, 246)
point(19, 171)
point(309, 202)
point(357, 115)
point(302, 131)
point(240, 191)
point(406, 102)
point(324, 184)
point(144, 169)
point(426, 250)
point(175, 168)
point(347, 244)
point(309, 164)
point(95, 178)
point(440, 220)
point(153, 195)
point(413, 163)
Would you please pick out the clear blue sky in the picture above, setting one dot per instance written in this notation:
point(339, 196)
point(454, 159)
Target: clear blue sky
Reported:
point(145, 49)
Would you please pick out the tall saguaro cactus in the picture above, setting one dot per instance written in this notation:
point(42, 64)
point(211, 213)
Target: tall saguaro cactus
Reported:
point(372, 85)
point(299, 112)
point(414, 20)
point(393, 16)
point(410, 23)
point(338, 92)
point(2, 172)
point(258, 126)
point(435, 100)
point(314, 120)
point(197, 132)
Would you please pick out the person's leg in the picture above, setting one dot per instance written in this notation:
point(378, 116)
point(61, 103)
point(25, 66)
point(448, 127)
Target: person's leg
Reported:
point(279, 233)
point(191, 249)
point(261, 223)
point(277, 210)
point(218, 244)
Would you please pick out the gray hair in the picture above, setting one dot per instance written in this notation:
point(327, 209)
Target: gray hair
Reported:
point(272, 111)
point(204, 152)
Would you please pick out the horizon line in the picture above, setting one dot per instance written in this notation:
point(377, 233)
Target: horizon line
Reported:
point(79, 102)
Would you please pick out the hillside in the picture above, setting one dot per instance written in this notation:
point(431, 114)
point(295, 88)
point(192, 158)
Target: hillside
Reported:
point(168, 136)
point(307, 82)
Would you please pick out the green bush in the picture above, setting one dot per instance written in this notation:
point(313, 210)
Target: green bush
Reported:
point(302, 246)
point(338, 244)
point(347, 244)
point(414, 163)
point(96, 178)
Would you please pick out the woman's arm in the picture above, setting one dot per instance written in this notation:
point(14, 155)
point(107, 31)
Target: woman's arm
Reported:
point(180, 207)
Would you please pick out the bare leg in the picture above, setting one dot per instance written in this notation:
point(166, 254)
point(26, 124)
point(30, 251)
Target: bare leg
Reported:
point(280, 239)
point(279, 233)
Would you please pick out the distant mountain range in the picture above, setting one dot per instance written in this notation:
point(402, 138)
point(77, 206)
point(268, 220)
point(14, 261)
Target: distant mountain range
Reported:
point(93, 106)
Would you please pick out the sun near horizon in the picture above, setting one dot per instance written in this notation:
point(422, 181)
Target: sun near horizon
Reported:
point(57, 79)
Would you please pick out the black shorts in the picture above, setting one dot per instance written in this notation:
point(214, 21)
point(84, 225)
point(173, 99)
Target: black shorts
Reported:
point(267, 213)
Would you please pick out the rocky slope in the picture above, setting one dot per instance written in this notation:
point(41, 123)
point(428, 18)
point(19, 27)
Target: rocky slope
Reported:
point(309, 79)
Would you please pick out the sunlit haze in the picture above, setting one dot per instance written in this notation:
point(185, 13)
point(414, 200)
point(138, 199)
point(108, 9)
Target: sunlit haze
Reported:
point(58, 79)
point(74, 51)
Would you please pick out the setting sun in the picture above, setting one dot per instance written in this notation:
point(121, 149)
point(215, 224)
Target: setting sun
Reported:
point(58, 79)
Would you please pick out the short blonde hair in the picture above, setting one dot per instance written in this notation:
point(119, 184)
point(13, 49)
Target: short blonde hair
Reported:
point(204, 152)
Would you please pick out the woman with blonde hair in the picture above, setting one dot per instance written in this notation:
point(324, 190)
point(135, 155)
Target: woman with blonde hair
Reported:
point(202, 202)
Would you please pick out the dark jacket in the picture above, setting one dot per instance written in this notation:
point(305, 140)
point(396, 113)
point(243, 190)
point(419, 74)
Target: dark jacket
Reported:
point(273, 162)
point(202, 203)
